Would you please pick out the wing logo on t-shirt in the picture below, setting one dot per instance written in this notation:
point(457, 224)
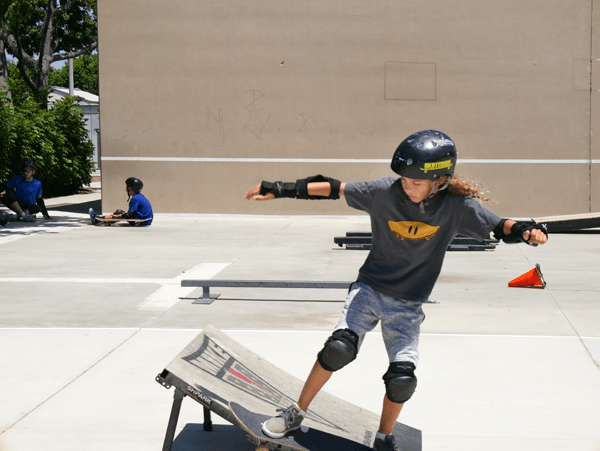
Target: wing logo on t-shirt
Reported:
point(412, 230)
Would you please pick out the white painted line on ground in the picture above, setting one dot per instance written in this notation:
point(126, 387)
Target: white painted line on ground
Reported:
point(168, 294)
point(163, 298)
point(85, 280)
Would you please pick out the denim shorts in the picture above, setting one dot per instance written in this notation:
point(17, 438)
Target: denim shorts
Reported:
point(400, 321)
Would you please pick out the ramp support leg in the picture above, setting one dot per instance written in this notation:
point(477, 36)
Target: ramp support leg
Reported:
point(207, 419)
point(177, 399)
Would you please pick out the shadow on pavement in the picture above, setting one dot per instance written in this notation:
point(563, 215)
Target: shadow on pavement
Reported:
point(82, 207)
point(14, 228)
point(222, 438)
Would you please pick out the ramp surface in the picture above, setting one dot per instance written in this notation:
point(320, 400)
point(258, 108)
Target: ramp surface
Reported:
point(216, 370)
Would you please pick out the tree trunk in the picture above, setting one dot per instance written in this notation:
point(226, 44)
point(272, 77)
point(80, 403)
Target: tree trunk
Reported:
point(3, 63)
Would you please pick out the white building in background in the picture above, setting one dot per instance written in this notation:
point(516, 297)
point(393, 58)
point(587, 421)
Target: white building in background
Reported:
point(90, 105)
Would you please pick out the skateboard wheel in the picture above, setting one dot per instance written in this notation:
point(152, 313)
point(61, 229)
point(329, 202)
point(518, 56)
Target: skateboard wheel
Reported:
point(262, 448)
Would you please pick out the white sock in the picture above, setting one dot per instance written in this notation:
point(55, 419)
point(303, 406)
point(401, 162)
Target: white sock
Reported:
point(380, 436)
point(302, 412)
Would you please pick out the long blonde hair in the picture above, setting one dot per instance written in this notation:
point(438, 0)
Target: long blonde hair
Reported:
point(461, 187)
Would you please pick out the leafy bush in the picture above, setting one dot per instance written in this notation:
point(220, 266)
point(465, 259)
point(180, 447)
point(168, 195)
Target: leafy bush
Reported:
point(55, 139)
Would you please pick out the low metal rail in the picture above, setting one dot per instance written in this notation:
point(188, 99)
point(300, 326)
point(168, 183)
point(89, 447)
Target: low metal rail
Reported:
point(206, 285)
point(362, 241)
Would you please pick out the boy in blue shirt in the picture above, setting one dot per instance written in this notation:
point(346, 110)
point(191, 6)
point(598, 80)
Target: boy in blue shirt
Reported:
point(23, 194)
point(139, 206)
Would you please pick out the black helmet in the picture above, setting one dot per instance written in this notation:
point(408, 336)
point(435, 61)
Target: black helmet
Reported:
point(425, 155)
point(27, 163)
point(134, 184)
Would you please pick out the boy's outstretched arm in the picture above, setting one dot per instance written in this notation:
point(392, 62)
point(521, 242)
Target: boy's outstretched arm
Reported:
point(302, 189)
point(532, 235)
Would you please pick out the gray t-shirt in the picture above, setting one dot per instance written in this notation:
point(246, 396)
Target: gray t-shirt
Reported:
point(408, 245)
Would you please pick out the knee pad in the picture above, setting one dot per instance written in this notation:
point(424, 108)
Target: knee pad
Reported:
point(400, 381)
point(340, 349)
point(33, 209)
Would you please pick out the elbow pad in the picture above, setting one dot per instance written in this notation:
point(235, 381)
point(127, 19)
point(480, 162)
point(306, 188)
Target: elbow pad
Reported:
point(302, 185)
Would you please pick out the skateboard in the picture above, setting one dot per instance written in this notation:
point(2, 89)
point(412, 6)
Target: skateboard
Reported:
point(132, 222)
point(302, 439)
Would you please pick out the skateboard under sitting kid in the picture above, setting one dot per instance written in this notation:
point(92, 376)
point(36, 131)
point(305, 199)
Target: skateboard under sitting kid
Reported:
point(139, 211)
point(413, 219)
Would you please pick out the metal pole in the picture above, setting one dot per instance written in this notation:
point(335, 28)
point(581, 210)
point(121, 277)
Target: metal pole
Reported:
point(208, 426)
point(177, 399)
point(71, 82)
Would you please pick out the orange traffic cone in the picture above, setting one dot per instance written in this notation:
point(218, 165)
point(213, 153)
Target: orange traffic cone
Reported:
point(531, 279)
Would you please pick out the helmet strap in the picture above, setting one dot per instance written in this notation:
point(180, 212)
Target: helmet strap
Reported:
point(445, 185)
point(433, 191)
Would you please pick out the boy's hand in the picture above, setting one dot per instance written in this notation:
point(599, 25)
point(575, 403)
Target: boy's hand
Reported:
point(254, 194)
point(536, 236)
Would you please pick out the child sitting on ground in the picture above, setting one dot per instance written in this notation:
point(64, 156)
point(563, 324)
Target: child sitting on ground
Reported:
point(139, 206)
point(23, 195)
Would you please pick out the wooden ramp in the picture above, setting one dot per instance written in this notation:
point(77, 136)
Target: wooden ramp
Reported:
point(570, 223)
point(215, 370)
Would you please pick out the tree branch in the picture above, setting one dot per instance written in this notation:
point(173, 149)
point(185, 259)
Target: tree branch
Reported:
point(21, 65)
point(75, 53)
point(46, 51)
point(13, 48)
point(62, 8)
point(4, 71)
point(3, 31)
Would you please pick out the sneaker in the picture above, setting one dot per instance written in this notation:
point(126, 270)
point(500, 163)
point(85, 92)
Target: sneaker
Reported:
point(3, 218)
point(27, 218)
point(389, 444)
point(288, 420)
point(93, 216)
point(12, 217)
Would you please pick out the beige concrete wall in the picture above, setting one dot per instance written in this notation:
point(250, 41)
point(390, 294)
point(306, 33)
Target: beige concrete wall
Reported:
point(212, 86)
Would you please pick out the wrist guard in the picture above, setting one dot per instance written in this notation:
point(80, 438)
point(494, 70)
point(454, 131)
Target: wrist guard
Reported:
point(128, 215)
point(280, 189)
point(303, 187)
point(517, 231)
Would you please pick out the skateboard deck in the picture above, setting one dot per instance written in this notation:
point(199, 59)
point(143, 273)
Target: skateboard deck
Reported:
point(302, 439)
point(215, 370)
point(109, 222)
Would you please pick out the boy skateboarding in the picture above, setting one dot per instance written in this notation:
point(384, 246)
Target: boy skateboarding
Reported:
point(413, 219)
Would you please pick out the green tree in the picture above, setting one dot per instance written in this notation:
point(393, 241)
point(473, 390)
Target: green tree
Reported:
point(48, 30)
point(55, 139)
point(18, 88)
point(85, 74)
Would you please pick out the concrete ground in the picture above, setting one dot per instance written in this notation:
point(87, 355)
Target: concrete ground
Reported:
point(90, 315)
